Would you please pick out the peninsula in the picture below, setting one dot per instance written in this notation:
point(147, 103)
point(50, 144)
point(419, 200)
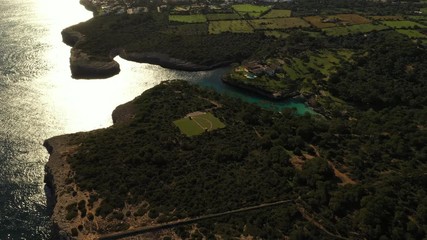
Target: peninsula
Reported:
point(182, 162)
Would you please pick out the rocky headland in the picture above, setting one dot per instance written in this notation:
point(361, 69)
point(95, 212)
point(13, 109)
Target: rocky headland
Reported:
point(74, 210)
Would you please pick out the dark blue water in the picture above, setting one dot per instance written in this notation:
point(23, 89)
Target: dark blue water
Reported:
point(38, 100)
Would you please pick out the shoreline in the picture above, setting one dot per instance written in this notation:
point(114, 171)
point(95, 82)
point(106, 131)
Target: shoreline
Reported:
point(85, 66)
point(62, 191)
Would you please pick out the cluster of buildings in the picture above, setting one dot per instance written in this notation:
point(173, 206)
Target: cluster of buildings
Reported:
point(254, 69)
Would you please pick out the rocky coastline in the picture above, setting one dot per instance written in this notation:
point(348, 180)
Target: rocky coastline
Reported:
point(85, 66)
point(63, 192)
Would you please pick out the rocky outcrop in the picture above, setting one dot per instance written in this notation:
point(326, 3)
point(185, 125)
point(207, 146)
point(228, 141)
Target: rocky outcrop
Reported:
point(85, 66)
point(123, 113)
point(166, 61)
point(89, 6)
point(57, 172)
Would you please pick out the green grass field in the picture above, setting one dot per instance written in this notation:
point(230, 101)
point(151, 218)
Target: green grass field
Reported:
point(234, 26)
point(222, 16)
point(196, 18)
point(254, 11)
point(249, 8)
point(196, 125)
point(323, 61)
point(278, 23)
point(402, 24)
point(362, 28)
point(411, 33)
point(277, 13)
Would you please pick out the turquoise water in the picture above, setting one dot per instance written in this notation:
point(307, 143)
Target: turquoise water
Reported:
point(215, 83)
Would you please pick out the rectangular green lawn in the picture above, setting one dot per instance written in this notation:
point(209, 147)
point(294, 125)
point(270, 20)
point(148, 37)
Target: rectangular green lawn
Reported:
point(197, 125)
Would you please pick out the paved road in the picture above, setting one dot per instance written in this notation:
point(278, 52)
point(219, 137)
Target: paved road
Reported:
point(141, 230)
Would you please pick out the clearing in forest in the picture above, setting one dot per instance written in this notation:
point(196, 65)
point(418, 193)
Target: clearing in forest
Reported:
point(197, 123)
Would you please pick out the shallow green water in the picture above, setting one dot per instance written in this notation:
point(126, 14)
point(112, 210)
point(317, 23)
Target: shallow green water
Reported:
point(214, 82)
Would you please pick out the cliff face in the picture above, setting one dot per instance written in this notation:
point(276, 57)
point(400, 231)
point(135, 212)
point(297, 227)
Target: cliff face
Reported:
point(85, 66)
point(74, 209)
point(166, 61)
point(57, 174)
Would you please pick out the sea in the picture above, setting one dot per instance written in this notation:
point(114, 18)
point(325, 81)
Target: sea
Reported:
point(39, 100)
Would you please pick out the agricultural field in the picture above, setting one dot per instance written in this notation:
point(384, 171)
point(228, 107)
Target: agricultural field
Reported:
point(387, 18)
point(411, 33)
point(277, 13)
point(352, 19)
point(253, 11)
point(198, 123)
point(402, 24)
point(278, 23)
point(222, 16)
point(195, 18)
point(235, 26)
point(317, 21)
point(323, 61)
point(354, 29)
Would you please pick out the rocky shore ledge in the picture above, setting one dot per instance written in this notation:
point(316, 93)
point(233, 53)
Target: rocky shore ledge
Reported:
point(85, 66)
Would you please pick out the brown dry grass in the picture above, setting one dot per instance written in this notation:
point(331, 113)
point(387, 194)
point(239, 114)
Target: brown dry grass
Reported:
point(352, 19)
point(317, 22)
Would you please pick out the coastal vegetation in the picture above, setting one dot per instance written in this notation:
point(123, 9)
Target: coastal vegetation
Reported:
point(356, 169)
point(335, 170)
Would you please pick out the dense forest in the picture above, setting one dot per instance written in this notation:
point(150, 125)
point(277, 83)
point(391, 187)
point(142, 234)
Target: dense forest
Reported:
point(378, 145)
point(355, 170)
